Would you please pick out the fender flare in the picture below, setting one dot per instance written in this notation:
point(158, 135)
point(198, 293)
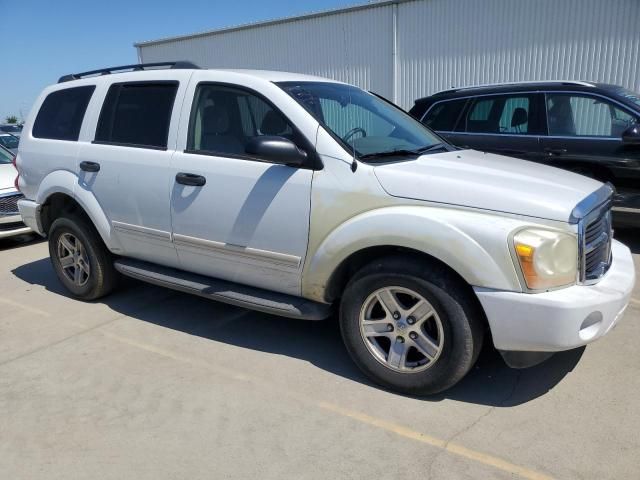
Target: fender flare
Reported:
point(66, 182)
point(447, 234)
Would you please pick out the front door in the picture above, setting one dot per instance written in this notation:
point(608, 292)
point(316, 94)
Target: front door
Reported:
point(585, 136)
point(234, 216)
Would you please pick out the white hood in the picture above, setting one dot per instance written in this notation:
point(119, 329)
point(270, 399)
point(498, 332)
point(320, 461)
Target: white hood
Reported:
point(7, 176)
point(492, 182)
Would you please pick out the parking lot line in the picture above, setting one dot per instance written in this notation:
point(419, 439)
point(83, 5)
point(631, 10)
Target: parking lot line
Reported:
point(27, 308)
point(452, 448)
point(397, 429)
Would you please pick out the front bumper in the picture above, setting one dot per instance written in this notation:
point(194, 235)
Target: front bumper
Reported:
point(11, 225)
point(30, 213)
point(561, 319)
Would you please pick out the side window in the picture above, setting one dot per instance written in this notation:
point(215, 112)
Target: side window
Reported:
point(503, 114)
point(585, 116)
point(61, 114)
point(515, 115)
point(259, 118)
point(444, 116)
point(224, 119)
point(480, 119)
point(137, 114)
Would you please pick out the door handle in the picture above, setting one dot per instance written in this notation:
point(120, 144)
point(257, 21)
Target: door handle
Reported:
point(555, 151)
point(90, 166)
point(190, 179)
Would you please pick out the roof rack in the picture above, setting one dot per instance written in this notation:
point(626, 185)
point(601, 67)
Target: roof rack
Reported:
point(132, 68)
point(530, 82)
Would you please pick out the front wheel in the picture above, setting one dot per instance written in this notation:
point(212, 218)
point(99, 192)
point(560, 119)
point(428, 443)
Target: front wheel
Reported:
point(410, 327)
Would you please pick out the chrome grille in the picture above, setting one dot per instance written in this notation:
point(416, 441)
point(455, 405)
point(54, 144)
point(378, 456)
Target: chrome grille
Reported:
point(596, 247)
point(9, 204)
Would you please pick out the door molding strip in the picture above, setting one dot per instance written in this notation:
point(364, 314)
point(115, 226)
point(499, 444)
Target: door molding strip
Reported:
point(144, 231)
point(229, 248)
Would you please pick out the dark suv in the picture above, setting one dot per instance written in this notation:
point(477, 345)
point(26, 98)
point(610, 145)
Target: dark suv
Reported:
point(589, 128)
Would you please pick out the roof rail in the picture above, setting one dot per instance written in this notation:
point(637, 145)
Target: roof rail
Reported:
point(133, 68)
point(529, 82)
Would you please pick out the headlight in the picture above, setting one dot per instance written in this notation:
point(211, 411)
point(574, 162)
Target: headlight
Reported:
point(548, 259)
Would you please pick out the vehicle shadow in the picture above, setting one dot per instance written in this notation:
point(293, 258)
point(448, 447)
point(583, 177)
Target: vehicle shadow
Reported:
point(490, 382)
point(20, 241)
point(630, 237)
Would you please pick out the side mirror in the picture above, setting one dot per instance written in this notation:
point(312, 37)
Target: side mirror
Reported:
point(631, 136)
point(276, 149)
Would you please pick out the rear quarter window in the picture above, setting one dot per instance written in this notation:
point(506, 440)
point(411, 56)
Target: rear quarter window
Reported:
point(61, 114)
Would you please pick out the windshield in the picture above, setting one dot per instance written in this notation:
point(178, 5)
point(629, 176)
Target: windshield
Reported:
point(361, 121)
point(629, 95)
point(8, 141)
point(10, 128)
point(5, 156)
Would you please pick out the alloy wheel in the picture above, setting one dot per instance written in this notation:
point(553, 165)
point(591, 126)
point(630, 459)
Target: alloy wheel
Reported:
point(73, 259)
point(401, 329)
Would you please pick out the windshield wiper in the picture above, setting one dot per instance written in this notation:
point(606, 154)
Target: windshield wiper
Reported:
point(402, 151)
point(390, 153)
point(431, 148)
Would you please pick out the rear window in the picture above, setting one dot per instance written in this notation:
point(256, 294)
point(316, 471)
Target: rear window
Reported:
point(137, 114)
point(8, 141)
point(60, 116)
point(444, 116)
point(5, 156)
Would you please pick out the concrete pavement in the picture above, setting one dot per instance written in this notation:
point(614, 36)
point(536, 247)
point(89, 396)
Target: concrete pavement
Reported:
point(151, 383)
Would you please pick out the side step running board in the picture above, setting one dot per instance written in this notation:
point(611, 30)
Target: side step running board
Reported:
point(223, 291)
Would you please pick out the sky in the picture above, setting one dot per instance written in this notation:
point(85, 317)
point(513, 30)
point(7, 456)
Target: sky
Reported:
point(43, 40)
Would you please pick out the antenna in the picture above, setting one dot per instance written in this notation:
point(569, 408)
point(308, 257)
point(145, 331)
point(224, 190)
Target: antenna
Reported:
point(354, 162)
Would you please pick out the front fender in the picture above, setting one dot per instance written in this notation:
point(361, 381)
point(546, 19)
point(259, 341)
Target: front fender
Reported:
point(474, 244)
point(66, 182)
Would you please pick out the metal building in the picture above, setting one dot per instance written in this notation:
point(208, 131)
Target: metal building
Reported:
point(404, 49)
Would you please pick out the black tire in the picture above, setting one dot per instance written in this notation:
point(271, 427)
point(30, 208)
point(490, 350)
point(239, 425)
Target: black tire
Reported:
point(459, 313)
point(102, 276)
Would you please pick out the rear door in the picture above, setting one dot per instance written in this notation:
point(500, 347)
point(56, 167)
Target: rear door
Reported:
point(508, 125)
point(125, 165)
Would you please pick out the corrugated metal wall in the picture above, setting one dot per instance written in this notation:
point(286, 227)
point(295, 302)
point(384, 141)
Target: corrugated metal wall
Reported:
point(440, 43)
point(353, 47)
point(445, 43)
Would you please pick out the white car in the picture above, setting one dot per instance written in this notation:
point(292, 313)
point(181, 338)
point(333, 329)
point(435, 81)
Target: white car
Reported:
point(10, 220)
point(301, 196)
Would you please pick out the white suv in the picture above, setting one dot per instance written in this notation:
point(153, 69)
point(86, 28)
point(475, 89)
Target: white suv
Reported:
point(292, 194)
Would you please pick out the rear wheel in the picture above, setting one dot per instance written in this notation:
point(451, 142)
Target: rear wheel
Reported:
point(80, 258)
point(409, 326)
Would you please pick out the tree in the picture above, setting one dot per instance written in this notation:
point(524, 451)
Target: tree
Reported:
point(12, 119)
